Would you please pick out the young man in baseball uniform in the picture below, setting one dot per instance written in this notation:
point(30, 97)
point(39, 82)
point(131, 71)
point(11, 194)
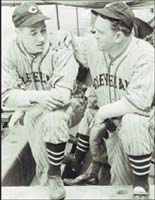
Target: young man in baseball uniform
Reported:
point(40, 79)
point(122, 69)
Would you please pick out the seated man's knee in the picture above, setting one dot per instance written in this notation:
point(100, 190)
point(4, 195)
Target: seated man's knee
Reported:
point(127, 118)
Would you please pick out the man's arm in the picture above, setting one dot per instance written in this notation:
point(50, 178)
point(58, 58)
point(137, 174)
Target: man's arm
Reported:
point(138, 97)
point(84, 48)
point(15, 95)
point(81, 45)
point(65, 71)
point(13, 90)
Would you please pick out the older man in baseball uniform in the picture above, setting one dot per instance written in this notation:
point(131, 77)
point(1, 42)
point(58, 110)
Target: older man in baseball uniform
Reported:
point(38, 80)
point(122, 69)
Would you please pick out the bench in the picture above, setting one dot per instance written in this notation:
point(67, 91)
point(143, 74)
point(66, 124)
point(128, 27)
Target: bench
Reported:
point(18, 166)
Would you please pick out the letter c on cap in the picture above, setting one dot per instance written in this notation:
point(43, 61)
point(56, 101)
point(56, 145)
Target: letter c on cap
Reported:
point(33, 9)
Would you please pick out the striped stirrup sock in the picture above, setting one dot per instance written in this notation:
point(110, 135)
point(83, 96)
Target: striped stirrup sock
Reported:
point(82, 147)
point(140, 167)
point(55, 154)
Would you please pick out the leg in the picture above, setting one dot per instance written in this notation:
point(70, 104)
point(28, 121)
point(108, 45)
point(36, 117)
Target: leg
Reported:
point(84, 130)
point(118, 160)
point(51, 128)
point(82, 142)
point(99, 158)
point(55, 146)
point(137, 142)
point(98, 136)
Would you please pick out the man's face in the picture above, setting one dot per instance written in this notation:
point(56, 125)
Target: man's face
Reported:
point(105, 36)
point(34, 37)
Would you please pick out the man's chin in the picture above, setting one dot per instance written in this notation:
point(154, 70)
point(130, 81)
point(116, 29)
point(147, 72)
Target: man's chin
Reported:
point(40, 50)
point(100, 48)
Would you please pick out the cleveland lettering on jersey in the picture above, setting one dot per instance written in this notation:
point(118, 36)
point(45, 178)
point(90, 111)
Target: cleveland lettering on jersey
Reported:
point(110, 80)
point(37, 77)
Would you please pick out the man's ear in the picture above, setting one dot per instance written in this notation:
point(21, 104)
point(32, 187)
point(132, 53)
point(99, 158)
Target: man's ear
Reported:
point(119, 36)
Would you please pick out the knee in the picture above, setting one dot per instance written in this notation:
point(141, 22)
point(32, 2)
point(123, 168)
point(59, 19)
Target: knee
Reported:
point(58, 119)
point(128, 118)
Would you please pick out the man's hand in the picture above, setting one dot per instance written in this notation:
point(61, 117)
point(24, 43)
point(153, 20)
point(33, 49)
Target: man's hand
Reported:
point(49, 100)
point(60, 39)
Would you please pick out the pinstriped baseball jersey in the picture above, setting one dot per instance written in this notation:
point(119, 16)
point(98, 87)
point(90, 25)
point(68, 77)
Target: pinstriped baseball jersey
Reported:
point(43, 72)
point(131, 77)
point(128, 76)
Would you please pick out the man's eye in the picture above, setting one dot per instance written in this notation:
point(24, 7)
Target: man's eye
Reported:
point(93, 31)
point(43, 31)
point(33, 33)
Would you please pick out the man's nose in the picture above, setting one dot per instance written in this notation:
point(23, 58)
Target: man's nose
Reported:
point(41, 37)
point(96, 35)
point(93, 30)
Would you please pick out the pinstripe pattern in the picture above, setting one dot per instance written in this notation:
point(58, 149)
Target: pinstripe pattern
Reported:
point(132, 139)
point(134, 68)
point(45, 71)
point(46, 126)
point(134, 134)
point(37, 145)
point(137, 69)
point(121, 173)
point(152, 122)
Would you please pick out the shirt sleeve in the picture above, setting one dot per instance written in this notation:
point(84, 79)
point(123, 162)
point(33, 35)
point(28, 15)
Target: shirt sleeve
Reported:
point(12, 84)
point(140, 91)
point(65, 68)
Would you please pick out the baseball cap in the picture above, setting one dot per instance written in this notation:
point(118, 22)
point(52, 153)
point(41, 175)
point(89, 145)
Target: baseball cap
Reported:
point(27, 14)
point(118, 11)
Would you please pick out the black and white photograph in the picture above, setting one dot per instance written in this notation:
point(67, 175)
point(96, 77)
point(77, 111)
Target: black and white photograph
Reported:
point(77, 99)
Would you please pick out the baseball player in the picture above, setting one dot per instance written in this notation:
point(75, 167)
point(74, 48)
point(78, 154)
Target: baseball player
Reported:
point(75, 161)
point(122, 69)
point(38, 81)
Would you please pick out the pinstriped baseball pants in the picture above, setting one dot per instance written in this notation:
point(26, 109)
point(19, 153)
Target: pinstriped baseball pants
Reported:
point(45, 126)
point(133, 138)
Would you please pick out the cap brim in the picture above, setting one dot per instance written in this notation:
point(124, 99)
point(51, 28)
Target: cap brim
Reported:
point(34, 19)
point(107, 13)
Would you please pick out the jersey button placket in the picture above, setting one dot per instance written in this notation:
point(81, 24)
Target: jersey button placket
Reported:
point(111, 89)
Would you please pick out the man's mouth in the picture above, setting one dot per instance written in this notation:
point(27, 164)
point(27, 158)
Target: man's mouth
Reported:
point(98, 43)
point(40, 45)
